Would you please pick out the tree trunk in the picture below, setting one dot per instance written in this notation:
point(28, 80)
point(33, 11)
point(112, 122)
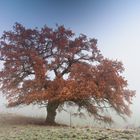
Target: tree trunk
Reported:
point(51, 113)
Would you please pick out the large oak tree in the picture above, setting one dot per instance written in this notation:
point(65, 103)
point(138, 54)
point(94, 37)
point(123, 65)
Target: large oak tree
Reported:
point(54, 67)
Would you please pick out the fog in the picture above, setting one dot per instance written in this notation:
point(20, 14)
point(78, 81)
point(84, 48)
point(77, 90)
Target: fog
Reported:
point(63, 117)
point(40, 112)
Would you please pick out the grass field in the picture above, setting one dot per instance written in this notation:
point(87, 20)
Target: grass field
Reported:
point(15, 127)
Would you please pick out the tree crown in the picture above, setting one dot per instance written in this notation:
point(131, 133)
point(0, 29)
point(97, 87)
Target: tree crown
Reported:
point(81, 74)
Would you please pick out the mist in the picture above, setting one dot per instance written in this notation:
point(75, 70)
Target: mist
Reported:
point(63, 117)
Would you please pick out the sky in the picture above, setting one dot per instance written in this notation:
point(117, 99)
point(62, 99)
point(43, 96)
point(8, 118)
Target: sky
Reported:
point(115, 23)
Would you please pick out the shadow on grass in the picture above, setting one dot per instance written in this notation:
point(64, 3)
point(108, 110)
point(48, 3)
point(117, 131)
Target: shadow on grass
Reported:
point(15, 119)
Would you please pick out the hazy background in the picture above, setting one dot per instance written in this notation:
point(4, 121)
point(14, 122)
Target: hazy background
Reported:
point(115, 23)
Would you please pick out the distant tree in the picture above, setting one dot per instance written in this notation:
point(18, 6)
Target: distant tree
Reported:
point(81, 75)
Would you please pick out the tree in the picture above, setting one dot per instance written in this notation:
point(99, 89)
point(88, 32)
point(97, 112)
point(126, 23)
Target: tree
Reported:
point(81, 75)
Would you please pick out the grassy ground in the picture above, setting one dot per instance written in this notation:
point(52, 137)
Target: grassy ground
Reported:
point(14, 127)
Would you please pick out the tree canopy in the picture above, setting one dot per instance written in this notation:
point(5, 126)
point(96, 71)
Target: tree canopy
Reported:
point(54, 67)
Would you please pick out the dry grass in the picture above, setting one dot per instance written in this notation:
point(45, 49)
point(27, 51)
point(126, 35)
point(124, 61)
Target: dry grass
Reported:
point(16, 127)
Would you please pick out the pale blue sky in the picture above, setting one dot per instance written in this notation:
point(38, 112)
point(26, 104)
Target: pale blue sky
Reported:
point(115, 23)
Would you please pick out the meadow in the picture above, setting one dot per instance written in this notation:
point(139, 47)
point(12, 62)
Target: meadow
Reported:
point(17, 127)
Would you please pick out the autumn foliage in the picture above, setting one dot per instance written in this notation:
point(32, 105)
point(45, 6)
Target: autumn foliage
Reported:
point(53, 67)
